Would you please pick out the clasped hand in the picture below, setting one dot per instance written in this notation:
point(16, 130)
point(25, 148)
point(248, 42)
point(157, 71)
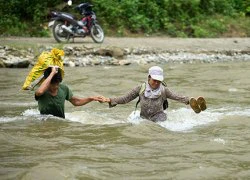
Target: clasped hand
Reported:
point(101, 99)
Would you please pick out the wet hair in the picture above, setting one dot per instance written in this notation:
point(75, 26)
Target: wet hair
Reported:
point(57, 78)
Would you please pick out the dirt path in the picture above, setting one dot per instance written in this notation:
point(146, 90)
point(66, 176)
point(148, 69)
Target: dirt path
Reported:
point(163, 43)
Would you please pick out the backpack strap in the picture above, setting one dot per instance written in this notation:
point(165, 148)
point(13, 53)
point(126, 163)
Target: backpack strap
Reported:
point(165, 103)
point(142, 90)
point(164, 83)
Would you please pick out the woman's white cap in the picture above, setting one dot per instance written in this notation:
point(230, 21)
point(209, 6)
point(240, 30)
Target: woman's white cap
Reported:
point(156, 73)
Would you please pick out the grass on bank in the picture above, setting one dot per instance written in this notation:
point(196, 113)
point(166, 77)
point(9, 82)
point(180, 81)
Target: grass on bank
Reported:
point(203, 27)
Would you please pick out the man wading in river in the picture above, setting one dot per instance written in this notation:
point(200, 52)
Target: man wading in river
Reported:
point(51, 94)
point(153, 97)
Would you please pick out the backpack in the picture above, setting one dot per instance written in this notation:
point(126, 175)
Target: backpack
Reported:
point(142, 90)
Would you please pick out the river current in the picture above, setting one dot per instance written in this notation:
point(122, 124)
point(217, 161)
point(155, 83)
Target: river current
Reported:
point(98, 142)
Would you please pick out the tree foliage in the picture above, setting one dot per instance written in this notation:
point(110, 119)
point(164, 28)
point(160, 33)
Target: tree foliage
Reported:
point(177, 18)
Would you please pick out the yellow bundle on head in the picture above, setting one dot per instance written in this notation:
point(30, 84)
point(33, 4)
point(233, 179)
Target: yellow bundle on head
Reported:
point(46, 59)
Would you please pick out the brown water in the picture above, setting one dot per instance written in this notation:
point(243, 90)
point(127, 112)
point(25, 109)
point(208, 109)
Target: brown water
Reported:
point(95, 142)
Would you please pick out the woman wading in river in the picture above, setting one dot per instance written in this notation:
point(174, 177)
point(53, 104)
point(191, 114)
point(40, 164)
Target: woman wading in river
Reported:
point(153, 95)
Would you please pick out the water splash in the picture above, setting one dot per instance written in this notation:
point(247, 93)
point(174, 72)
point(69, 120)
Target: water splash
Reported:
point(5, 119)
point(35, 114)
point(238, 112)
point(31, 112)
point(182, 119)
point(219, 140)
point(135, 118)
point(24, 116)
point(232, 90)
point(185, 120)
point(91, 118)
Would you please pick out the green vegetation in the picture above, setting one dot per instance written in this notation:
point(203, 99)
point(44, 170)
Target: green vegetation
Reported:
point(174, 18)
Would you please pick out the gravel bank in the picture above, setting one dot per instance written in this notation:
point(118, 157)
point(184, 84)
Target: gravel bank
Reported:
point(125, 51)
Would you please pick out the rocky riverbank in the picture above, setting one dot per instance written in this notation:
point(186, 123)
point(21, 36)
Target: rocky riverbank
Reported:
point(91, 55)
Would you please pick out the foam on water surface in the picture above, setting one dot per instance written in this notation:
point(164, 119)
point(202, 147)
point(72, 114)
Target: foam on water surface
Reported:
point(184, 119)
point(180, 120)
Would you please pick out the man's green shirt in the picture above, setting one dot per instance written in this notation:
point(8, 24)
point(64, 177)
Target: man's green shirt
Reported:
point(54, 105)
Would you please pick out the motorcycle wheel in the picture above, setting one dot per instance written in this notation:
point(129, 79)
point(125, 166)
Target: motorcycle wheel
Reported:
point(59, 34)
point(97, 33)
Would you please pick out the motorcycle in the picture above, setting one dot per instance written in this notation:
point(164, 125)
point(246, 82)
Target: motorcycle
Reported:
point(64, 25)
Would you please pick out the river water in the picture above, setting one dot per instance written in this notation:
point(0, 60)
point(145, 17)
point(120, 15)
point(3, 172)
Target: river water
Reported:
point(97, 142)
